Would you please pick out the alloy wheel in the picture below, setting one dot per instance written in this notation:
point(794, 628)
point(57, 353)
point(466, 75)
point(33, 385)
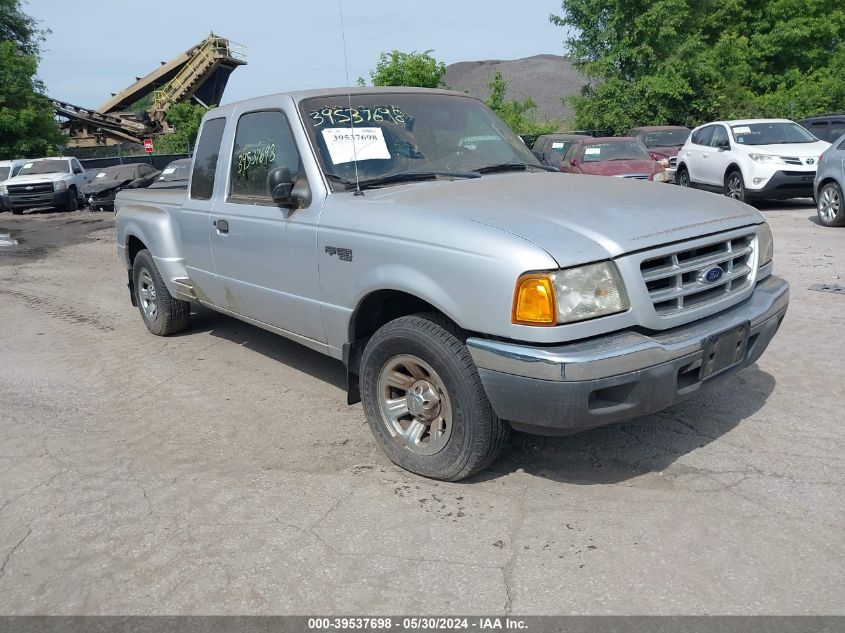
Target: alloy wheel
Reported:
point(414, 405)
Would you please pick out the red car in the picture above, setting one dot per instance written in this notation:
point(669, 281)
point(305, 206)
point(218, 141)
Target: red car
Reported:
point(663, 141)
point(620, 156)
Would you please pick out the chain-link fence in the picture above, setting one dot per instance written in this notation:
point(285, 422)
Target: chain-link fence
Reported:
point(122, 153)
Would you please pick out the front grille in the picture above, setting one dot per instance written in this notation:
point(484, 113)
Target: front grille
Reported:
point(673, 161)
point(676, 282)
point(792, 160)
point(30, 189)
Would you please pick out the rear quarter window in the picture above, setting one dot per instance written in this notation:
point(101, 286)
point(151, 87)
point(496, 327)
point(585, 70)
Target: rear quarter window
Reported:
point(205, 159)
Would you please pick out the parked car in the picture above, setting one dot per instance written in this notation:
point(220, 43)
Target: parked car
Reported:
point(751, 159)
point(100, 192)
point(825, 127)
point(829, 185)
point(174, 176)
point(663, 142)
point(45, 182)
point(9, 169)
point(620, 156)
point(465, 291)
point(550, 148)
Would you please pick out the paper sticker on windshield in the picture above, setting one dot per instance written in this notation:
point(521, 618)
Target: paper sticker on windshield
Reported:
point(169, 170)
point(592, 151)
point(742, 129)
point(557, 145)
point(368, 144)
point(27, 166)
point(102, 174)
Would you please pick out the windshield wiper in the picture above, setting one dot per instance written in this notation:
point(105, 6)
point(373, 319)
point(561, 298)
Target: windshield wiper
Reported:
point(408, 176)
point(512, 166)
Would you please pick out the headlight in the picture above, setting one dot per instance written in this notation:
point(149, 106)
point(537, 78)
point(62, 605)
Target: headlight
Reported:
point(59, 185)
point(766, 158)
point(3, 190)
point(765, 244)
point(566, 296)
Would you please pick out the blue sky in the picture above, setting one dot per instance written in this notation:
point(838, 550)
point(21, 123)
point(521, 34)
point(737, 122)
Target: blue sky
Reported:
point(99, 47)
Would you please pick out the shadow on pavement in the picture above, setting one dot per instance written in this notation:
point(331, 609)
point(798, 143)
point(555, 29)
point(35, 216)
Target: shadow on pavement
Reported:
point(273, 346)
point(649, 444)
point(599, 456)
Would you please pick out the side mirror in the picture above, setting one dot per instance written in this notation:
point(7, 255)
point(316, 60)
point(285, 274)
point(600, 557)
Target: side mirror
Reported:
point(280, 186)
point(723, 144)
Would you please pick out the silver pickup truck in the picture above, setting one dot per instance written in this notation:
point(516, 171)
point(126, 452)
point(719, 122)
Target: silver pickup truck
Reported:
point(410, 234)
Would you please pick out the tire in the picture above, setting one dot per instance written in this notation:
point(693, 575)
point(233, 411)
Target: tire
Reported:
point(734, 185)
point(17, 211)
point(73, 200)
point(429, 365)
point(831, 205)
point(682, 177)
point(162, 314)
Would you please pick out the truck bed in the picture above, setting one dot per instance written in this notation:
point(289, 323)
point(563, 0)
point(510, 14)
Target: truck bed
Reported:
point(163, 198)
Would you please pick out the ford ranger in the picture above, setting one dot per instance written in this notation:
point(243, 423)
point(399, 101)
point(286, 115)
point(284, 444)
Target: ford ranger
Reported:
point(411, 235)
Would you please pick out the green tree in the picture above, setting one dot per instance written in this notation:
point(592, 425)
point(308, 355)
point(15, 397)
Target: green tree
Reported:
point(408, 69)
point(185, 119)
point(517, 114)
point(27, 124)
point(689, 61)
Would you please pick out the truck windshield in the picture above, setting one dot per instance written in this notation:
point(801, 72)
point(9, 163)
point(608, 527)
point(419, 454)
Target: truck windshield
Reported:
point(413, 133)
point(45, 167)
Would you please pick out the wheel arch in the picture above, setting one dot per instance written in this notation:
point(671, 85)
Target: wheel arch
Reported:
point(374, 310)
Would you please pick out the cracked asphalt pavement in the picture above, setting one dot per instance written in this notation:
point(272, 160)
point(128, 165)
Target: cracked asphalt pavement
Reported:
point(221, 472)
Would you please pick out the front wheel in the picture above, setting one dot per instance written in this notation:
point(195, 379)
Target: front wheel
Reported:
point(682, 177)
point(424, 400)
point(163, 315)
point(830, 205)
point(734, 186)
point(73, 201)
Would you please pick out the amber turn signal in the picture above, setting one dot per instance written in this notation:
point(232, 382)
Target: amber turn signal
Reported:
point(534, 301)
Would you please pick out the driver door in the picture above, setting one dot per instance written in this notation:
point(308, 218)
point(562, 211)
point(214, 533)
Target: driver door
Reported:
point(265, 257)
point(713, 169)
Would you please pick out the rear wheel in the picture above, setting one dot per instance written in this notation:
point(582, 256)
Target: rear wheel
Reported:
point(830, 205)
point(162, 314)
point(682, 177)
point(425, 402)
point(734, 186)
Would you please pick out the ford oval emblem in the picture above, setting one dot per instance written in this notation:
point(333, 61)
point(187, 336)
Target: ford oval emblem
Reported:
point(711, 275)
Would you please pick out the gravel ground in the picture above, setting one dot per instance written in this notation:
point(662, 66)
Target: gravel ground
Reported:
point(220, 471)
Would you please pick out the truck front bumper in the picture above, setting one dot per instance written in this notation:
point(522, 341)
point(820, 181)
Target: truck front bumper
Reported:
point(607, 379)
point(30, 201)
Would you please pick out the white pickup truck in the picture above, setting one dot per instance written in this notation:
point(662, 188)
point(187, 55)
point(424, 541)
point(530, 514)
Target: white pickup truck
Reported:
point(45, 182)
point(410, 234)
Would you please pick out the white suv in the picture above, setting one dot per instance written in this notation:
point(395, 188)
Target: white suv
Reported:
point(753, 158)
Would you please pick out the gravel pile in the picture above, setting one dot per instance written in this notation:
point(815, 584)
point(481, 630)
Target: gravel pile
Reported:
point(544, 78)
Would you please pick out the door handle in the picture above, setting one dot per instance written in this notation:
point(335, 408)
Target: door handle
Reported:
point(222, 226)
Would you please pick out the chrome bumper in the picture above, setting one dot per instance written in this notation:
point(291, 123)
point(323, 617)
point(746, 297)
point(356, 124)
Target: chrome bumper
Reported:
point(619, 376)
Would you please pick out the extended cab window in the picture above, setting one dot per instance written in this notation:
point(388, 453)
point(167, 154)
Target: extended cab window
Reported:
point(205, 159)
point(263, 142)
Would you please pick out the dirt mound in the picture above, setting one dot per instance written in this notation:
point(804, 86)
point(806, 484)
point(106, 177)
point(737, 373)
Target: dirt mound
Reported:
point(544, 78)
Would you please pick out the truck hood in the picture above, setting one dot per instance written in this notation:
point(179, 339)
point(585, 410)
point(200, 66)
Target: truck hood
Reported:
point(576, 218)
point(30, 178)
